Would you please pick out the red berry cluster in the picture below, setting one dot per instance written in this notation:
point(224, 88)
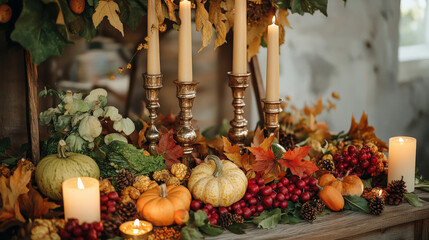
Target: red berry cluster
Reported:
point(108, 204)
point(212, 212)
point(278, 194)
point(85, 231)
point(357, 162)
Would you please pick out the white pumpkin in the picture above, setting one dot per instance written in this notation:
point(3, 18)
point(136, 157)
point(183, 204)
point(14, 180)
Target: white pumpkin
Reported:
point(218, 182)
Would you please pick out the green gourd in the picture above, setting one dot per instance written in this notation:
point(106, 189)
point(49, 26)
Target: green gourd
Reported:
point(54, 169)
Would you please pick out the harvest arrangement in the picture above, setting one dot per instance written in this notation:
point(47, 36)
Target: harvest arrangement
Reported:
point(307, 172)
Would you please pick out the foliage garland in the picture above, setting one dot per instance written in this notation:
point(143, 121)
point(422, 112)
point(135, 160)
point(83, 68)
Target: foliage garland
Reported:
point(44, 26)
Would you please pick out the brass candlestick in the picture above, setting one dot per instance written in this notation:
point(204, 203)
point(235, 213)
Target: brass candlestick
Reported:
point(185, 134)
point(152, 84)
point(238, 132)
point(271, 120)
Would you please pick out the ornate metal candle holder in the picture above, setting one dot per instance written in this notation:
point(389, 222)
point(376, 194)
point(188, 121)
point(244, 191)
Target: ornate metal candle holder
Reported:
point(152, 84)
point(271, 120)
point(185, 134)
point(238, 132)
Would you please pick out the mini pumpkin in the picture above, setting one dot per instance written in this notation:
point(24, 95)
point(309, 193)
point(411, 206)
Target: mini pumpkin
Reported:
point(349, 185)
point(159, 205)
point(54, 169)
point(220, 183)
point(332, 198)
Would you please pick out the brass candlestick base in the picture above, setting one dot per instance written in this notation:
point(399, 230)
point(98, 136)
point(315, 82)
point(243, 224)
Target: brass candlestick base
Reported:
point(152, 84)
point(271, 120)
point(238, 132)
point(185, 134)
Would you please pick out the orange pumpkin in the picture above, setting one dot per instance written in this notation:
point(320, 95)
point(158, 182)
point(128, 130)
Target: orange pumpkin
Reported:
point(159, 205)
point(349, 185)
point(332, 198)
point(181, 216)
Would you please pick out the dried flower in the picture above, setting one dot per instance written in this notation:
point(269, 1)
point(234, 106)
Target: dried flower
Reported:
point(145, 46)
point(140, 47)
point(120, 70)
point(162, 27)
point(129, 66)
point(147, 38)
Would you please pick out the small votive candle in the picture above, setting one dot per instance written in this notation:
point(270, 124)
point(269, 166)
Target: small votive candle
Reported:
point(135, 229)
point(402, 160)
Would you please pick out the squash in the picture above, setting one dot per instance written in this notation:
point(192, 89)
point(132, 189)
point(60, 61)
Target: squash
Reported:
point(332, 198)
point(349, 185)
point(159, 205)
point(52, 170)
point(220, 183)
point(181, 217)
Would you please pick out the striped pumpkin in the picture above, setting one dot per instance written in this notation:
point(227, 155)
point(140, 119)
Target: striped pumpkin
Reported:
point(54, 169)
point(218, 182)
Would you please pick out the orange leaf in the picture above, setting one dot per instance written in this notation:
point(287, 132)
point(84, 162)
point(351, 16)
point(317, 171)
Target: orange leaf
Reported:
point(32, 205)
point(142, 137)
point(232, 152)
point(365, 132)
point(294, 161)
point(167, 146)
point(258, 138)
point(216, 144)
point(266, 144)
point(264, 159)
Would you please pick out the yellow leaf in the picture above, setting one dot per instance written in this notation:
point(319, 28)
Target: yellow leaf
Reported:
point(171, 6)
point(232, 152)
point(109, 9)
point(282, 18)
point(202, 22)
point(266, 144)
point(258, 138)
point(218, 17)
point(159, 11)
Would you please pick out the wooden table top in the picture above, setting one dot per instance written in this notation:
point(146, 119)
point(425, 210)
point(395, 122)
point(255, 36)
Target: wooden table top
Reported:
point(340, 225)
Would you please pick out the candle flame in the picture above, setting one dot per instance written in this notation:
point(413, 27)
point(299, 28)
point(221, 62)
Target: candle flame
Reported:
point(401, 140)
point(274, 19)
point(379, 192)
point(136, 223)
point(80, 184)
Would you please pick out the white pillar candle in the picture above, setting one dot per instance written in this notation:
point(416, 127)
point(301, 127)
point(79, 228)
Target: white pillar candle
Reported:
point(153, 62)
point(272, 93)
point(185, 42)
point(81, 198)
point(239, 57)
point(402, 160)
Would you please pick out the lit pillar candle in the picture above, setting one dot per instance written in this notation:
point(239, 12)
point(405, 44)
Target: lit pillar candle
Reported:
point(81, 197)
point(239, 58)
point(153, 65)
point(273, 62)
point(402, 160)
point(185, 42)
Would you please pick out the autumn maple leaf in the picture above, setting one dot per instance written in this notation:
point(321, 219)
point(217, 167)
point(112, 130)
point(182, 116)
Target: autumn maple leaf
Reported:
point(295, 162)
point(232, 152)
point(264, 157)
point(167, 146)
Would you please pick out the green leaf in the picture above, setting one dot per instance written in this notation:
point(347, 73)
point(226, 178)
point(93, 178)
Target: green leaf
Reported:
point(278, 150)
point(200, 217)
point(190, 233)
point(132, 12)
point(211, 230)
point(326, 211)
point(92, 3)
point(36, 30)
point(413, 199)
point(356, 203)
point(294, 220)
point(268, 219)
point(309, 6)
point(367, 183)
point(237, 228)
point(81, 24)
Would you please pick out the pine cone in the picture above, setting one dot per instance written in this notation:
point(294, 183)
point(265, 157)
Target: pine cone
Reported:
point(111, 226)
point(288, 141)
point(124, 179)
point(327, 162)
point(127, 212)
point(376, 205)
point(396, 190)
point(318, 204)
point(308, 212)
point(237, 218)
point(179, 170)
point(161, 176)
point(225, 220)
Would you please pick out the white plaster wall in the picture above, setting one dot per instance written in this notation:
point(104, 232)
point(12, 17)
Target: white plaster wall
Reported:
point(354, 51)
